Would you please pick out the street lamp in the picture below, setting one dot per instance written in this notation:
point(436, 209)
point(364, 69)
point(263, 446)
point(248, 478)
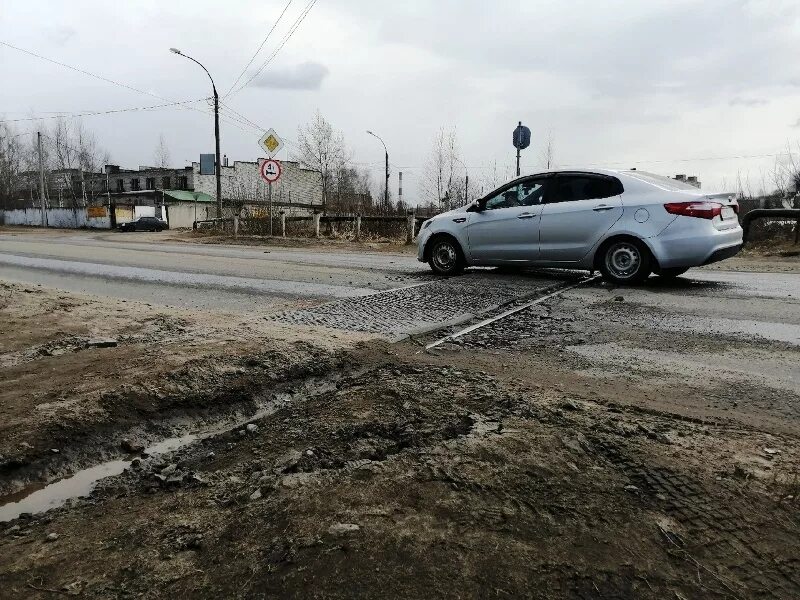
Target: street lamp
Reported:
point(216, 129)
point(386, 188)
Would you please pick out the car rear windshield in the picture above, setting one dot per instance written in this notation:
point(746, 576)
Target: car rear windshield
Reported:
point(666, 183)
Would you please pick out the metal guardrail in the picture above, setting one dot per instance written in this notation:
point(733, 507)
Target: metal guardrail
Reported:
point(771, 213)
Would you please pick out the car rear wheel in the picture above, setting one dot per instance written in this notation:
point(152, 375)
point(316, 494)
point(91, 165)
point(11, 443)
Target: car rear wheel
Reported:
point(445, 257)
point(625, 261)
point(672, 273)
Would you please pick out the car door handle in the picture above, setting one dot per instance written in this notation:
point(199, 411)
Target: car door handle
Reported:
point(601, 207)
point(459, 220)
point(525, 216)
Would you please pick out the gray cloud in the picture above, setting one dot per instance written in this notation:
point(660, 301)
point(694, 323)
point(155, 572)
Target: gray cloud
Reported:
point(304, 76)
point(749, 102)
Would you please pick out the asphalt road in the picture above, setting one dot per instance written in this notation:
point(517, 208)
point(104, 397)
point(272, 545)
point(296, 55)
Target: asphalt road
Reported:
point(149, 267)
point(143, 267)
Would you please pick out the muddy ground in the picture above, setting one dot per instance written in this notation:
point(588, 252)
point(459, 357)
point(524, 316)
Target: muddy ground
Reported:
point(563, 452)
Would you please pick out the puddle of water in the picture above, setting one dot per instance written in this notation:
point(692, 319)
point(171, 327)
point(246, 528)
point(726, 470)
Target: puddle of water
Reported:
point(40, 498)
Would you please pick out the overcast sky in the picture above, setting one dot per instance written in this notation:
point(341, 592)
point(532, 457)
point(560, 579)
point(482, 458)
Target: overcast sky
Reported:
point(654, 84)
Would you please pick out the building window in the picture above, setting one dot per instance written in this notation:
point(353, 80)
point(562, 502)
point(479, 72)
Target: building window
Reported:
point(165, 182)
point(150, 183)
point(120, 185)
point(183, 182)
point(135, 184)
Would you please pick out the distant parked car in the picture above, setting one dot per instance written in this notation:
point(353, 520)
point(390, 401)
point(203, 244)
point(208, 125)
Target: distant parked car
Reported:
point(626, 224)
point(144, 224)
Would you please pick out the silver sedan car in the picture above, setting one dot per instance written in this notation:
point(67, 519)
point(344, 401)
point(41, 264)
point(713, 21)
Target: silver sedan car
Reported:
point(626, 224)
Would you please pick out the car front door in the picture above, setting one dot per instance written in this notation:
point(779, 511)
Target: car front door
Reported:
point(506, 227)
point(578, 210)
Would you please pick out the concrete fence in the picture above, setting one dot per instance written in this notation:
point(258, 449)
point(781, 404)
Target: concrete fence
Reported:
point(317, 225)
point(69, 218)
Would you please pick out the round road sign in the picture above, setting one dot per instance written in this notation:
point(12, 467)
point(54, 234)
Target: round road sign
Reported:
point(270, 171)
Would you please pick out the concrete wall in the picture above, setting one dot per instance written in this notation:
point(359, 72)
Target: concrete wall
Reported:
point(182, 214)
point(243, 182)
point(69, 218)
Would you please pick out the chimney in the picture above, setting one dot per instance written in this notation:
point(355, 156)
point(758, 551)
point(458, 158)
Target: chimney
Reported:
point(224, 160)
point(680, 177)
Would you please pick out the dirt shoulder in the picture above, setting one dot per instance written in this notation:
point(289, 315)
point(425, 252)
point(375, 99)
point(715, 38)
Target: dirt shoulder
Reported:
point(414, 477)
point(598, 445)
point(80, 372)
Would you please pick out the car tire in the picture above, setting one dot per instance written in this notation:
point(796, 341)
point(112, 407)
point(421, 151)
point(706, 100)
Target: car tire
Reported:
point(445, 256)
point(672, 273)
point(624, 261)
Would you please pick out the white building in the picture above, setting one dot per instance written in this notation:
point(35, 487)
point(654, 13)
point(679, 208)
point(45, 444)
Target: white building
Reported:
point(298, 189)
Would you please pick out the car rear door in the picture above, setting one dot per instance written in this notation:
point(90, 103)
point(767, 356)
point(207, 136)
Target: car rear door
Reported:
point(578, 210)
point(506, 229)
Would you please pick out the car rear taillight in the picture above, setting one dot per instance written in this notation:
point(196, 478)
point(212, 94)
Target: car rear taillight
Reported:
point(701, 210)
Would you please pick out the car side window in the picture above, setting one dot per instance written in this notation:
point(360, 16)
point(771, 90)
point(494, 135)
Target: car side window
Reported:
point(527, 193)
point(571, 188)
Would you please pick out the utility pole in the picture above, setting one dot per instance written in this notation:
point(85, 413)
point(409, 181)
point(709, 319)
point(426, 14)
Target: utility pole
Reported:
point(466, 188)
point(518, 149)
point(386, 186)
point(41, 178)
point(216, 138)
point(400, 188)
point(216, 129)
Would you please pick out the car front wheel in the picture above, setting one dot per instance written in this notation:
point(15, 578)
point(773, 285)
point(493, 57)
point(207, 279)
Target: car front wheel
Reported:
point(625, 262)
point(445, 257)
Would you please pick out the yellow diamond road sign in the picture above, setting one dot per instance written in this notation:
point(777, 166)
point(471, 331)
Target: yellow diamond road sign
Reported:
point(271, 142)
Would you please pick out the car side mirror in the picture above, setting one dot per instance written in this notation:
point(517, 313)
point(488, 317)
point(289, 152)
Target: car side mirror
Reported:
point(475, 206)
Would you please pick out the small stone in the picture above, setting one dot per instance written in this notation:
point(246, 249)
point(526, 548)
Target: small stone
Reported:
point(101, 343)
point(211, 455)
point(256, 495)
point(619, 298)
point(309, 452)
point(343, 528)
point(631, 488)
point(570, 405)
point(131, 446)
point(169, 469)
point(771, 451)
point(55, 450)
point(51, 537)
point(252, 427)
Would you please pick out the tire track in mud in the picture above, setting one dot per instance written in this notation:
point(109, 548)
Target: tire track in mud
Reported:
point(720, 529)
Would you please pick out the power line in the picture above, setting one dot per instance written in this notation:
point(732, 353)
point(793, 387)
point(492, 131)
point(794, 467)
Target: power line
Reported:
point(264, 41)
point(286, 38)
point(65, 115)
point(98, 77)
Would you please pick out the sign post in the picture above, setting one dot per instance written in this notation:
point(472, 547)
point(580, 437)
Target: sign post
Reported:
point(521, 140)
point(270, 172)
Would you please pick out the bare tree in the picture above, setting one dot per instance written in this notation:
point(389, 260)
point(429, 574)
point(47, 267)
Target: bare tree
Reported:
point(322, 149)
point(11, 164)
point(439, 177)
point(162, 156)
point(72, 155)
point(548, 151)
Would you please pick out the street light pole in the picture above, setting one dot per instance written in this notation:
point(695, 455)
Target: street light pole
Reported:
point(216, 130)
point(386, 187)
